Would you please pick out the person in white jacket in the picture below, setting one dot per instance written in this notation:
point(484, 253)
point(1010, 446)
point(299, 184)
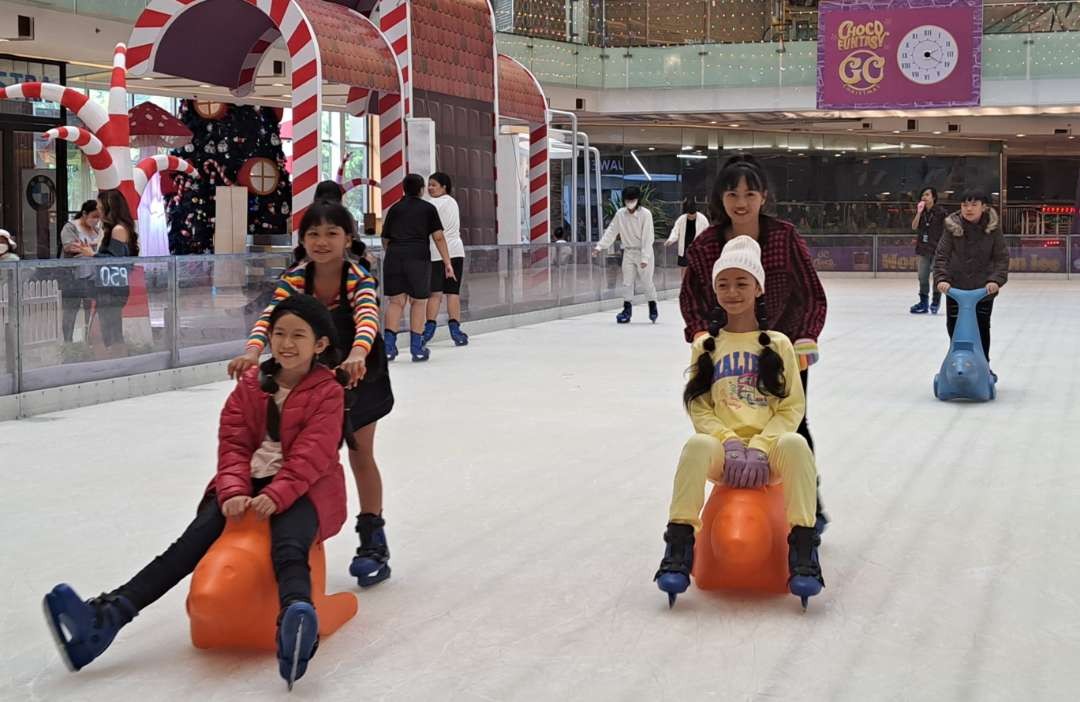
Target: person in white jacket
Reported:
point(635, 225)
point(688, 226)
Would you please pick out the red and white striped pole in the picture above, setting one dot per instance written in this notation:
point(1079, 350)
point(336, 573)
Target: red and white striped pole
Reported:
point(105, 174)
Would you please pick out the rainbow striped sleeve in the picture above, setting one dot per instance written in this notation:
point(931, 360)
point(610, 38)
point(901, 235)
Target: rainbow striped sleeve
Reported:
point(291, 283)
point(365, 308)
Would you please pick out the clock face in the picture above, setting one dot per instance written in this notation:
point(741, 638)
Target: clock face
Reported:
point(927, 55)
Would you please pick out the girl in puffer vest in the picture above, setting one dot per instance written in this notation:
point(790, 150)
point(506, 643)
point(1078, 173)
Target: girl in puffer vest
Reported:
point(278, 444)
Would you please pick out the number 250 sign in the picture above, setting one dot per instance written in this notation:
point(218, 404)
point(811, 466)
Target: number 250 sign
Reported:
point(113, 277)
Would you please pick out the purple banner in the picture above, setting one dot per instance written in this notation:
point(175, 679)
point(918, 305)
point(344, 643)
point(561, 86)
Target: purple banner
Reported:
point(1031, 258)
point(893, 54)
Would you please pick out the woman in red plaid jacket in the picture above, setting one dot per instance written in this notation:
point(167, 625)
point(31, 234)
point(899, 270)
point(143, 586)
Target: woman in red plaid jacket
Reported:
point(794, 299)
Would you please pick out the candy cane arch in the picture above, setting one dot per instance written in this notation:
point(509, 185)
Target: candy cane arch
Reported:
point(105, 174)
point(303, 24)
point(347, 185)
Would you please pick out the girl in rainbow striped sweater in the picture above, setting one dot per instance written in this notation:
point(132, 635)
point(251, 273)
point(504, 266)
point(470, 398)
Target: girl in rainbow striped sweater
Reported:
point(347, 288)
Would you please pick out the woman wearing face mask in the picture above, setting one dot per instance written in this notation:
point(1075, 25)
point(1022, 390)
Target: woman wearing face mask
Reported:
point(84, 230)
point(635, 225)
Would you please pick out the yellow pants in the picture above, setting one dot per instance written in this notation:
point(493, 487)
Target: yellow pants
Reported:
point(702, 459)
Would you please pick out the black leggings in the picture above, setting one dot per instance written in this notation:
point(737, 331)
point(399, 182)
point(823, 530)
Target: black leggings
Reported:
point(983, 310)
point(291, 534)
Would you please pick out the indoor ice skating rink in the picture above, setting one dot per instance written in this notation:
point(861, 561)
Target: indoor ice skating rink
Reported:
point(527, 481)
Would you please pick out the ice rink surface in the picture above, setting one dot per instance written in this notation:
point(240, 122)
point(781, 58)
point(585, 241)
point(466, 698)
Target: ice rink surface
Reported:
point(527, 480)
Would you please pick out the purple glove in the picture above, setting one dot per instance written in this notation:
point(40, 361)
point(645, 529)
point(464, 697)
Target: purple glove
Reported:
point(734, 461)
point(757, 468)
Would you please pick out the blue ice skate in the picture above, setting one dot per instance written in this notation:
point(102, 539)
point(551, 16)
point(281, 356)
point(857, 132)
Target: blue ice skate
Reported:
point(674, 574)
point(965, 373)
point(429, 331)
point(460, 338)
point(371, 564)
point(804, 569)
point(83, 630)
point(390, 339)
point(297, 640)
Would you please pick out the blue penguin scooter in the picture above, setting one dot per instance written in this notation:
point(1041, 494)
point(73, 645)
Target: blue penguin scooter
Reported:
point(965, 373)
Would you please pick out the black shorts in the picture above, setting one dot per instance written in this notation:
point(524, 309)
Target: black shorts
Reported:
point(407, 275)
point(439, 283)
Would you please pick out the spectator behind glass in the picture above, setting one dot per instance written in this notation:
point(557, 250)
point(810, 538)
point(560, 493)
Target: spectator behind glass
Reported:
point(75, 282)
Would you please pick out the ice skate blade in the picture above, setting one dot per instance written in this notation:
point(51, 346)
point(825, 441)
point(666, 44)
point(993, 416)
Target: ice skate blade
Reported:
point(57, 634)
point(296, 654)
point(805, 601)
point(671, 597)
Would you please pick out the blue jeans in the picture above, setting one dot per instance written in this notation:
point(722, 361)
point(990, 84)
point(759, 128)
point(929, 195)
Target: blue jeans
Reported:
point(925, 264)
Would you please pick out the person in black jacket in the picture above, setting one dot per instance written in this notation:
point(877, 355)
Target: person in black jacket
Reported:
point(929, 222)
point(972, 254)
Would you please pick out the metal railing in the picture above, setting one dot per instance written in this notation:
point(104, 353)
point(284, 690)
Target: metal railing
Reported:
point(78, 320)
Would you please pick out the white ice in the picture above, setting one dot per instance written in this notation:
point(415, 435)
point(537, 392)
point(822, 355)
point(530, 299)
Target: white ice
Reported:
point(527, 482)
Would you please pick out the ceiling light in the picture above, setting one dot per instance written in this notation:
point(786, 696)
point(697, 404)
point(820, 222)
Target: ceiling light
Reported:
point(652, 148)
point(896, 131)
point(734, 126)
point(937, 131)
point(1071, 136)
point(713, 122)
point(693, 157)
point(204, 85)
point(147, 78)
point(278, 85)
point(1021, 136)
point(688, 148)
point(633, 155)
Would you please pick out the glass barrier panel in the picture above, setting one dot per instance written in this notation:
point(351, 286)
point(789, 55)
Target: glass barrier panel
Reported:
point(845, 254)
point(486, 289)
point(1031, 255)
point(577, 276)
point(8, 328)
point(534, 280)
point(1075, 248)
point(218, 299)
point(93, 319)
point(896, 254)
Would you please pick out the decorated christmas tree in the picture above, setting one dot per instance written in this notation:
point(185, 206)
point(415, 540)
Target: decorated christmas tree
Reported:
point(231, 145)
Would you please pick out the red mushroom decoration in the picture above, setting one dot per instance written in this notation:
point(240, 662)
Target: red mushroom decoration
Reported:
point(152, 126)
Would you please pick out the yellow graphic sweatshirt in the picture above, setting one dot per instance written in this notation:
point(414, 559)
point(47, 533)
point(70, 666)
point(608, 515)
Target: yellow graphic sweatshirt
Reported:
point(734, 408)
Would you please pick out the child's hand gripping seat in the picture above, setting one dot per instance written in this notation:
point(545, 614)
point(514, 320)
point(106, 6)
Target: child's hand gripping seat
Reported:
point(965, 373)
point(743, 540)
point(233, 602)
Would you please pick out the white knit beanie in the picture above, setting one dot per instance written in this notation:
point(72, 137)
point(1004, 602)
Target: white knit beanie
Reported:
point(744, 253)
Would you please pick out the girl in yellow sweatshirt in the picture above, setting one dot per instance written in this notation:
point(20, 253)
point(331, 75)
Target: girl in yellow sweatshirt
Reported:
point(745, 400)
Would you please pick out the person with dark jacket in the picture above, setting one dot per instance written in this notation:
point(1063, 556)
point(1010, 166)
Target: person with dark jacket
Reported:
point(278, 441)
point(929, 222)
point(972, 254)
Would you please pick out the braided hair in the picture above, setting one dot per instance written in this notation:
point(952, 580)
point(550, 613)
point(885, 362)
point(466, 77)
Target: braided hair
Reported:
point(771, 379)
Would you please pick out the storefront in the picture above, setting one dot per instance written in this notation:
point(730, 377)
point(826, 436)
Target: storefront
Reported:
point(33, 171)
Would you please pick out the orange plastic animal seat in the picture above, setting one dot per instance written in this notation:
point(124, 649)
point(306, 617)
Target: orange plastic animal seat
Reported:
point(233, 602)
point(743, 540)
